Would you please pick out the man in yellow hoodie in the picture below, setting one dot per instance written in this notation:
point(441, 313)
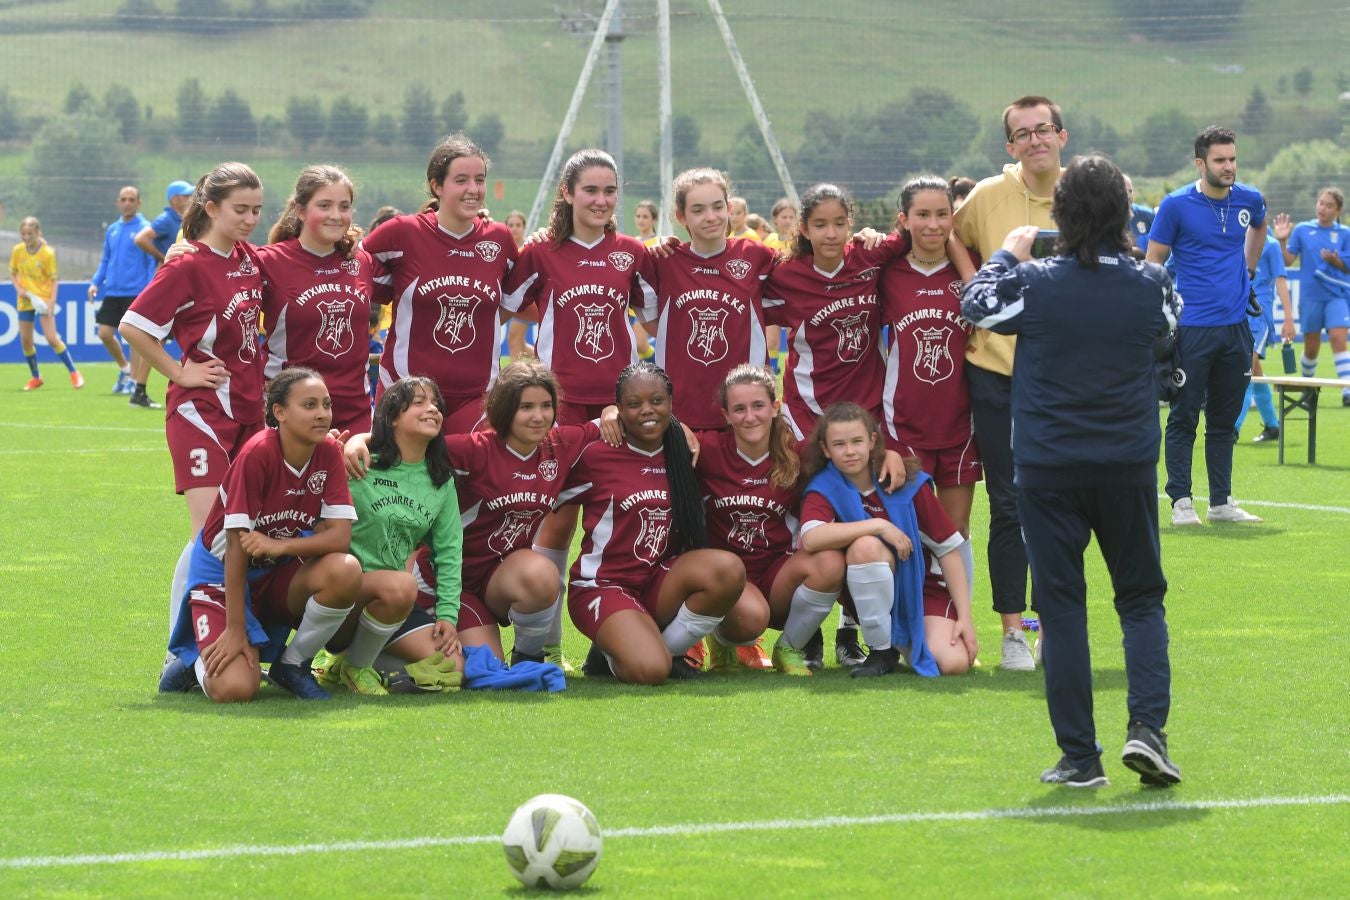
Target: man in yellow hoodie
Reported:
point(1021, 195)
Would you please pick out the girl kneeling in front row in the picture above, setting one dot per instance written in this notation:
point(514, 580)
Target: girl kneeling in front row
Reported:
point(880, 534)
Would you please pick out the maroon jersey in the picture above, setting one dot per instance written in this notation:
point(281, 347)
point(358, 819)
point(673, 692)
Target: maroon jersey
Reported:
point(317, 313)
point(745, 513)
point(937, 535)
point(626, 516)
point(263, 493)
point(447, 292)
point(925, 401)
point(834, 353)
point(583, 294)
point(208, 302)
point(503, 497)
point(711, 320)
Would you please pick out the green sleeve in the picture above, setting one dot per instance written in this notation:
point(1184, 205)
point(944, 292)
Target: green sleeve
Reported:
point(447, 551)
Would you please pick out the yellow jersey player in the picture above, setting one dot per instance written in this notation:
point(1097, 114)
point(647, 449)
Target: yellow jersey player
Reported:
point(32, 269)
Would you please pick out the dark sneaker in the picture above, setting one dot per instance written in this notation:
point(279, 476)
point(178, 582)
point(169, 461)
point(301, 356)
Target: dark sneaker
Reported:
point(1066, 774)
point(596, 666)
point(1267, 434)
point(297, 679)
point(878, 662)
point(814, 651)
point(681, 669)
point(1146, 753)
point(517, 656)
point(177, 678)
point(847, 651)
point(144, 401)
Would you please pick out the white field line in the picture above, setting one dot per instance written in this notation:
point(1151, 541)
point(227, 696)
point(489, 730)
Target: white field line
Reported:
point(682, 830)
point(1275, 504)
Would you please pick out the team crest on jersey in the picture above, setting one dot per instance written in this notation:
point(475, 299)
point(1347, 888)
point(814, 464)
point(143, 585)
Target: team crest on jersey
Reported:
point(707, 335)
point(548, 469)
point(954, 288)
point(335, 335)
point(933, 355)
point(316, 482)
point(515, 530)
point(246, 266)
point(869, 274)
point(650, 545)
point(455, 328)
point(853, 336)
point(1142, 227)
point(248, 326)
point(351, 266)
point(401, 535)
point(621, 260)
point(738, 268)
point(747, 530)
point(595, 340)
point(1244, 217)
point(488, 250)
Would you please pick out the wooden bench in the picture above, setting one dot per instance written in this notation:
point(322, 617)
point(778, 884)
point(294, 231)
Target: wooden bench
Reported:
point(1297, 392)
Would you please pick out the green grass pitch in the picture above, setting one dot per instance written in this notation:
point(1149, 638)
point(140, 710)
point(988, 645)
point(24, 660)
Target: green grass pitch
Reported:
point(747, 784)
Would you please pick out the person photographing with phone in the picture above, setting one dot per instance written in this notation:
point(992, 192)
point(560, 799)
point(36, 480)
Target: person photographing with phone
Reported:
point(1085, 453)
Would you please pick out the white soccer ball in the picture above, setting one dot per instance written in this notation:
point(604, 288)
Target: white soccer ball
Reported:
point(552, 841)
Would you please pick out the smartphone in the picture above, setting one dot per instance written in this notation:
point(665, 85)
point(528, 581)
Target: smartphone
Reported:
point(1044, 245)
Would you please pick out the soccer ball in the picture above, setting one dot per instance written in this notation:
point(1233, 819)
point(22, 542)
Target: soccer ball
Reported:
point(552, 841)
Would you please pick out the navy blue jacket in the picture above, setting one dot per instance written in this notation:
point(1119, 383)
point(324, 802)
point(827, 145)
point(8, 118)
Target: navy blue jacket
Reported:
point(1084, 401)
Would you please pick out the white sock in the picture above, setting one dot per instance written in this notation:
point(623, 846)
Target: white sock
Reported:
point(178, 587)
point(125, 370)
point(559, 559)
point(809, 608)
point(687, 629)
point(726, 642)
point(846, 620)
point(1309, 366)
point(872, 586)
point(968, 560)
point(370, 638)
point(532, 629)
point(318, 624)
point(1342, 361)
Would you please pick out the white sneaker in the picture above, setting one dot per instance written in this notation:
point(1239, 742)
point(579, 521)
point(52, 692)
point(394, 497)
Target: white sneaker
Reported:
point(1036, 651)
point(1227, 512)
point(1183, 513)
point(1016, 653)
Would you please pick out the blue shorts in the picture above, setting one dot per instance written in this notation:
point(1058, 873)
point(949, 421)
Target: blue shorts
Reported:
point(27, 315)
point(204, 568)
point(1263, 327)
point(1315, 315)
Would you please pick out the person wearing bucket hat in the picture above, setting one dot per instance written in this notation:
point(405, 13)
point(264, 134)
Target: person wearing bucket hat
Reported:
point(163, 231)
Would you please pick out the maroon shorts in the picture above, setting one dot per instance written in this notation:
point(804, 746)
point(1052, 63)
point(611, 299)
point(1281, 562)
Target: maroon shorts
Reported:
point(762, 573)
point(474, 613)
point(589, 607)
point(203, 441)
point(578, 413)
point(953, 466)
point(353, 418)
point(267, 601)
point(942, 607)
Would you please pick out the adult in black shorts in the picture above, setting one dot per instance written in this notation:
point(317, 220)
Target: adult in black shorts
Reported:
point(123, 272)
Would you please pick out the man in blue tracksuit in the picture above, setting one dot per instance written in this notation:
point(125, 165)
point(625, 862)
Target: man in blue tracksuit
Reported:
point(123, 272)
point(1085, 452)
point(1215, 230)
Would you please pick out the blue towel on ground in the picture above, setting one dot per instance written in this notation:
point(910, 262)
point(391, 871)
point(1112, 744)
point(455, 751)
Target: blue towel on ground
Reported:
point(484, 671)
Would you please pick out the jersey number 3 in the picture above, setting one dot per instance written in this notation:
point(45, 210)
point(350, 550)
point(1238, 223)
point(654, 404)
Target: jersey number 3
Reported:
point(198, 457)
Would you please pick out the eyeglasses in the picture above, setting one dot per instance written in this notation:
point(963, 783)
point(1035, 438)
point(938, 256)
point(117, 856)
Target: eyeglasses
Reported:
point(1043, 131)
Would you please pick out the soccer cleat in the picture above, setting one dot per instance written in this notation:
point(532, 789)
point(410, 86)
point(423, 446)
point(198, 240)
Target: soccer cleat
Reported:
point(363, 680)
point(1230, 512)
point(681, 669)
point(296, 679)
point(847, 651)
point(1268, 433)
point(143, 401)
point(435, 673)
point(517, 656)
point(1345, 399)
point(327, 669)
point(176, 678)
point(123, 383)
point(1036, 653)
point(1016, 654)
point(596, 665)
point(789, 660)
point(33, 384)
point(696, 654)
point(720, 656)
point(814, 651)
point(1146, 753)
point(878, 662)
point(1066, 774)
point(1183, 513)
point(553, 654)
point(76, 380)
point(753, 656)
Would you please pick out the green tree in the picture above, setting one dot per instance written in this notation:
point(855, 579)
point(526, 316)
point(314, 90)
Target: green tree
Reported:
point(386, 129)
point(1167, 138)
point(420, 127)
point(73, 158)
point(305, 120)
point(202, 16)
point(684, 137)
point(488, 132)
point(79, 100)
point(191, 105)
point(122, 106)
point(10, 125)
point(1292, 178)
point(230, 121)
point(1303, 80)
point(454, 117)
point(348, 123)
point(1256, 114)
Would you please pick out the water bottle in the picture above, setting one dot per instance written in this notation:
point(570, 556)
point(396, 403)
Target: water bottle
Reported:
point(1287, 354)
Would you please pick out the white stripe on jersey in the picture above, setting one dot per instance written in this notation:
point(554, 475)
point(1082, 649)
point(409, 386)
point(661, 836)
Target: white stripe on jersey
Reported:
point(590, 562)
point(137, 320)
point(791, 422)
point(806, 388)
point(511, 302)
point(543, 338)
point(891, 381)
point(470, 515)
point(338, 511)
point(188, 411)
point(758, 344)
point(235, 520)
point(276, 345)
point(566, 496)
point(403, 314)
point(648, 293)
point(662, 327)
